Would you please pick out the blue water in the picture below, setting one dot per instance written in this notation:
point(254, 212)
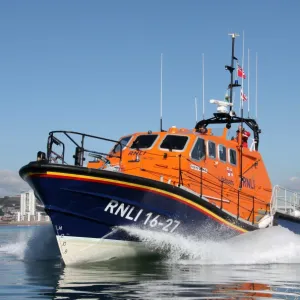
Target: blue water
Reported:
point(257, 265)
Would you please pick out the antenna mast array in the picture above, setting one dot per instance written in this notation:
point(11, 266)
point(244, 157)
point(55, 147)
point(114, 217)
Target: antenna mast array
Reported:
point(231, 68)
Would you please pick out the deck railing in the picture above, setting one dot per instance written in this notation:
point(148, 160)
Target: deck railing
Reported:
point(57, 139)
point(285, 201)
point(206, 181)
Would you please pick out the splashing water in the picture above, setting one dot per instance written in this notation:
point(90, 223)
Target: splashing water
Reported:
point(37, 243)
point(264, 246)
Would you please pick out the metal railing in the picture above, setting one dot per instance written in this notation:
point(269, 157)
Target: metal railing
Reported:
point(285, 201)
point(208, 181)
point(80, 150)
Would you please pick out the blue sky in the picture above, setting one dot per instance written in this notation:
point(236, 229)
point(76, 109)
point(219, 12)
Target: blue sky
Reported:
point(94, 66)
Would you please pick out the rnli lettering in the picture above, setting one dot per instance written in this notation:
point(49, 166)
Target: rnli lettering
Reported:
point(138, 152)
point(125, 211)
point(134, 214)
point(249, 183)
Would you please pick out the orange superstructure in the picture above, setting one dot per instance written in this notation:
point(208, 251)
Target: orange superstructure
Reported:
point(204, 164)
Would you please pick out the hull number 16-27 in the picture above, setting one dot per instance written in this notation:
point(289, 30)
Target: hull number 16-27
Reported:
point(135, 214)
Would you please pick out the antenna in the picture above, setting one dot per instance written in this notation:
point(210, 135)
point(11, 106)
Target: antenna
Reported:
point(242, 88)
point(256, 115)
point(231, 68)
point(248, 83)
point(161, 74)
point(196, 109)
point(242, 119)
point(203, 86)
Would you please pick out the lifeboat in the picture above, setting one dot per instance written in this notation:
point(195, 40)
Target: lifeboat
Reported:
point(193, 182)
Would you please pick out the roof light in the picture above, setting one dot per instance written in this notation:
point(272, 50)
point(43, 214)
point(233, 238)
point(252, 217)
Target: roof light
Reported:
point(173, 129)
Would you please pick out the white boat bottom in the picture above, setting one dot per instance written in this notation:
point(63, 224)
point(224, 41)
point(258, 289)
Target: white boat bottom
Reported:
point(78, 250)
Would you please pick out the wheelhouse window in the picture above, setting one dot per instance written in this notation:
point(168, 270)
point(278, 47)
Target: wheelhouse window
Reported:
point(174, 142)
point(123, 143)
point(222, 153)
point(232, 156)
point(211, 149)
point(198, 151)
point(144, 141)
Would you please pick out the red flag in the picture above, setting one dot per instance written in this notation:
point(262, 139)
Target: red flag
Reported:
point(243, 96)
point(240, 72)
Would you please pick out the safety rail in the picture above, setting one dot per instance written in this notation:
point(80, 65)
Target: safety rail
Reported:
point(80, 150)
point(213, 184)
point(285, 201)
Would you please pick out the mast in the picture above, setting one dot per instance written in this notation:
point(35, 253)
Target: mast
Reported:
point(196, 109)
point(256, 115)
point(242, 121)
point(203, 86)
point(231, 68)
point(248, 83)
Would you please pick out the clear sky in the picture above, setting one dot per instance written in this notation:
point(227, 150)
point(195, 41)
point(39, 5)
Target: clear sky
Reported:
point(94, 66)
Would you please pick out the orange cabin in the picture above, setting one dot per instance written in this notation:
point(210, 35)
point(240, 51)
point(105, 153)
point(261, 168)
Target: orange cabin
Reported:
point(205, 164)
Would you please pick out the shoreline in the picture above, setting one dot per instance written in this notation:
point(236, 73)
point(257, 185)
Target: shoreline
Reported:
point(25, 223)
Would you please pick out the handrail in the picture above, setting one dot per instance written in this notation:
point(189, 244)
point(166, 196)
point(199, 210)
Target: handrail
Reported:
point(79, 150)
point(216, 185)
point(210, 185)
point(285, 200)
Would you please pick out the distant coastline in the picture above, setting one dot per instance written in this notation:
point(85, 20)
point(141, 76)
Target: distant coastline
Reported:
point(24, 223)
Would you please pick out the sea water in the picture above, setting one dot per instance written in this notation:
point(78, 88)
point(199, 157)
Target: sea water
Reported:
point(255, 265)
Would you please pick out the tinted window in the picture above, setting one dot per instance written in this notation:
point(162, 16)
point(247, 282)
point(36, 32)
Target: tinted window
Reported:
point(198, 151)
point(222, 153)
point(211, 149)
point(232, 156)
point(174, 142)
point(144, 141)
point(123, 142)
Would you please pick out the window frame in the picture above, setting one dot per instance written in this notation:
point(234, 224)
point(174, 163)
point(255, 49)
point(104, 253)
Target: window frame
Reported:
point(223, 161)
point(209, 141)
point(230, 157)
point(174, 150)
point(154, 142)
point(192, 148)
point(129, 141)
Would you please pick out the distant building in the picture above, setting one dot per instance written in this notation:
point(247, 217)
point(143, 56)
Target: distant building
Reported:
point(24, 207)
point(27, 203)
point(31, 209)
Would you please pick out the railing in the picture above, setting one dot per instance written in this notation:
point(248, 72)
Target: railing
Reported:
point(285, 201)
point(221, 186)
point(80, 150)
point(204, 180)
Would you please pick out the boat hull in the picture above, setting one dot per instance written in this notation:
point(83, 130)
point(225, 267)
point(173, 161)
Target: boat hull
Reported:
point(287, 221)
point(79, 250)
point(91, 211)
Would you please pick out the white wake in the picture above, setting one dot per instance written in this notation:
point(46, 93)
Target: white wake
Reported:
point(265, 246)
